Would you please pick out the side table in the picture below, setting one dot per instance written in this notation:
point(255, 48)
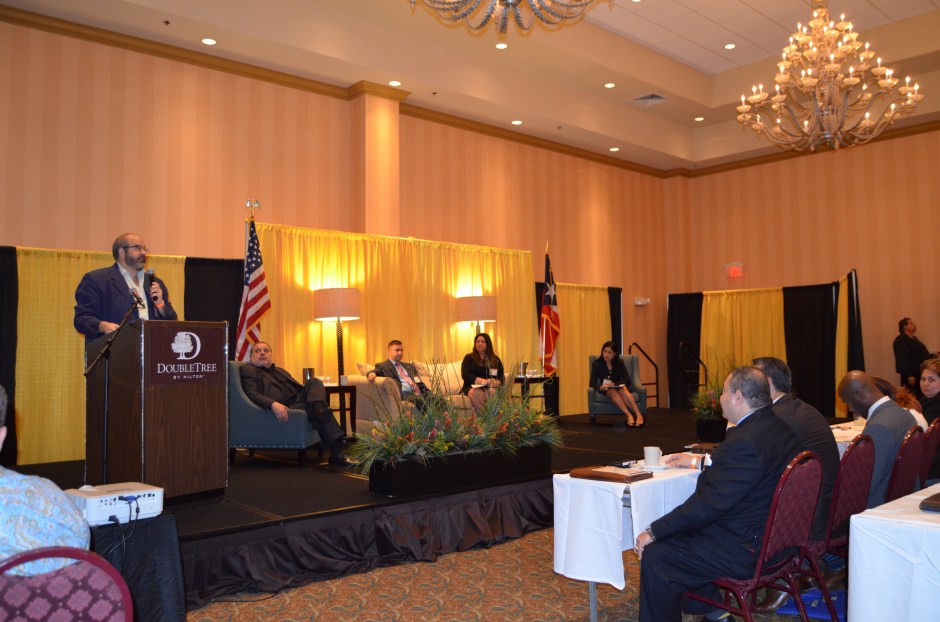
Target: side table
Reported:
point(343, 409)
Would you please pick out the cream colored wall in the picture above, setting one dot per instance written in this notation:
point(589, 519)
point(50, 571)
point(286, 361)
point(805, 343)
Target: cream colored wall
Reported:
point(99, 140)
point(812, 219)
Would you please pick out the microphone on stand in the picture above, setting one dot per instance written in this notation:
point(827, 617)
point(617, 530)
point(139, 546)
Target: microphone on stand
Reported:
point(137, 298)
point(151, 279)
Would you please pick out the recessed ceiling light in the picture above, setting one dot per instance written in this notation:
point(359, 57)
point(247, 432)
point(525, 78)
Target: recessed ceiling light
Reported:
point(699, 119)
point(209, 41)
point(609, 85)
point(517, 122)
point(394, 83)
point(502, 46)
point(615, 149)
point(730, 46)
point(636, 0)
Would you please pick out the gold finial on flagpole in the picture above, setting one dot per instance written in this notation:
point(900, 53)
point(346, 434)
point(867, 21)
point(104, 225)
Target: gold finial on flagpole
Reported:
point(251, 205)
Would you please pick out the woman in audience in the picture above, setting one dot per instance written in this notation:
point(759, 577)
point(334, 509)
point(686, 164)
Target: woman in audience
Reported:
point(903, 397)
point(482, 372)
point(610, 376)
point(930, 404)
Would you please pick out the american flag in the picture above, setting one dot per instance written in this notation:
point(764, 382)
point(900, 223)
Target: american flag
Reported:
point(549, 326)
point(255, 300)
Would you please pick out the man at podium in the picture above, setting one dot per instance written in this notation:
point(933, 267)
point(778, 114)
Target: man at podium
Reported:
point(103, 296)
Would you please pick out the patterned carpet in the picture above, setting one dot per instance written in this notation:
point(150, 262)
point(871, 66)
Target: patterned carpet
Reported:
point(510, 582)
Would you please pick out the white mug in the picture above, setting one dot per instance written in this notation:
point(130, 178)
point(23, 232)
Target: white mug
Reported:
point(651, 456)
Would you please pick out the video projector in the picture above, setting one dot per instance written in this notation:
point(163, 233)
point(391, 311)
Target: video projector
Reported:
point(99, 503)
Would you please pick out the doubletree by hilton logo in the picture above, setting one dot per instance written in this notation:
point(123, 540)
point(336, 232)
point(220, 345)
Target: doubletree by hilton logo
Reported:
point(186, 345)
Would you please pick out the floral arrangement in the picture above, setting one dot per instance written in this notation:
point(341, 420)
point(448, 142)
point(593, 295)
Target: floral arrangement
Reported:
point(505, 423)
point(706, 404)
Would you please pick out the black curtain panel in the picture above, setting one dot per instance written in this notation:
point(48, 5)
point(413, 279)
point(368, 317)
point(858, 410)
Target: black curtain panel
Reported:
point(809, 320)
point(9, 301)
point(615, 296)
point(214, 292)
point(683, 324)
point(856, 347)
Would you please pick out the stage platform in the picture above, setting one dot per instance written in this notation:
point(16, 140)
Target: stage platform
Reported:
point(278, 525)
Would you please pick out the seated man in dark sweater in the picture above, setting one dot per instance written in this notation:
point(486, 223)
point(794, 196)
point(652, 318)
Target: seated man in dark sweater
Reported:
point(274, 389)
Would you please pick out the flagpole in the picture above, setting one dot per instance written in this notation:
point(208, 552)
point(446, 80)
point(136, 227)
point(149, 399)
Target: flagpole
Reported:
point(544, 327)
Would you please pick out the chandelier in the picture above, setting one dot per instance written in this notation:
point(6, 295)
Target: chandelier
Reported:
point(828, 92)
point(479, 13)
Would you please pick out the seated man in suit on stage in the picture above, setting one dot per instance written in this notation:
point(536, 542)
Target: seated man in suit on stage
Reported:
point(274, 389)
point(35, 513)
point(404, 374)
point(886, 423)
point(103, 296)
point(717, 531)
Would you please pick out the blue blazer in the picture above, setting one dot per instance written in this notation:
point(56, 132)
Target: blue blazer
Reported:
point(103, 295)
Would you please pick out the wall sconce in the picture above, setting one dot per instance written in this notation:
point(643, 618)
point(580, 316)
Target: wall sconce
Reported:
point(734, 270)
point(335, 305)
point(477, 309)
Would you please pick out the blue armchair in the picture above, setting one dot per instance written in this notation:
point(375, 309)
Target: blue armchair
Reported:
point(600, 404)
point(252, 427)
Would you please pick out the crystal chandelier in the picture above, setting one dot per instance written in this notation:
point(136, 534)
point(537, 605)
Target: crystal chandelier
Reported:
point(827, 91)
point(479, 13)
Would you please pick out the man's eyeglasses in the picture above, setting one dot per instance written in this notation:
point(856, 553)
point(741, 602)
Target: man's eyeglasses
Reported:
point(138, 248)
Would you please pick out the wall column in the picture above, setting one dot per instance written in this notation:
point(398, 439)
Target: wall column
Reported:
point(374, 151)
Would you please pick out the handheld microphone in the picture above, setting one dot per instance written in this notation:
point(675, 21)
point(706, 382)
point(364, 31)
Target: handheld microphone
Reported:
point(151, 279)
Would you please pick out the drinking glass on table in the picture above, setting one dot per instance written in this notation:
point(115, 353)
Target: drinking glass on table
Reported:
point(493, 371)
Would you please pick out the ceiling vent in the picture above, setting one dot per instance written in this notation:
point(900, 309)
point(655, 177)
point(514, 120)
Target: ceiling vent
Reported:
point(650, 99)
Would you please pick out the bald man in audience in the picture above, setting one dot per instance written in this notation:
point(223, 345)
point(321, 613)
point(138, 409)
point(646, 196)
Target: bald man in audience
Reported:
point(886, 423)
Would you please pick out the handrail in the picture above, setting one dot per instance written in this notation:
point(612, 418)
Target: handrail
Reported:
point(655, 371)
point(692, 380)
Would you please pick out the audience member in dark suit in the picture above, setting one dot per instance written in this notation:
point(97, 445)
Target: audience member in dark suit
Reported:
point(274, 389)
point(717, 531)
point(478, 368)
point(103, 296)
point(815, 435)
point(887, 424)
point(930, 403)
point(909, 353)
point(610, 376)
point(405, 375)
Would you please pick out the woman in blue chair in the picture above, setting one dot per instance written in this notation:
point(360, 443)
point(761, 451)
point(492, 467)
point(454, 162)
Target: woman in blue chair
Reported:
point(482, 372)
point(610, 376)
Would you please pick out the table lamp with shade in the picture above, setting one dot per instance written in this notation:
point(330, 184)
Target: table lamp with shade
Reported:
point(336, 305)
point(477, 309)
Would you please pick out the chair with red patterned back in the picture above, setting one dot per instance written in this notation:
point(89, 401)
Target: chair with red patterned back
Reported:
point(907, 465)
point(88, 589)
point(931, 443)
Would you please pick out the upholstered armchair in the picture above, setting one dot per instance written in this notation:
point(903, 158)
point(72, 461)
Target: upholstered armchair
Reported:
point(252, 427)
point(600, 404)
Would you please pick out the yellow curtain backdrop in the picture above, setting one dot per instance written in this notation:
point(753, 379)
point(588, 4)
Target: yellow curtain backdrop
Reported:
point(584, 313)
point(407, 291)
point(842, 343)
point(50, 387)
point(740, 325)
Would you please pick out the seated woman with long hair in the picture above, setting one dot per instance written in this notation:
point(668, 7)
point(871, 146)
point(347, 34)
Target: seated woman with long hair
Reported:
point(481, 368)
point(610, 376)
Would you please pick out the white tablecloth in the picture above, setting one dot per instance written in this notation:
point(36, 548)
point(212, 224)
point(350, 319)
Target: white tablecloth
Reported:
point(593, 526)
point(844, 434)
point(894, 562)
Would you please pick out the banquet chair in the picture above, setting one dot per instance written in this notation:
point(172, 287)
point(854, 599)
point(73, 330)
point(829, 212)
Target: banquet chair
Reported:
point(849, 496)
point(907, 465)
point(931, 443)
point(600, 404)
point(89, 589)
point(788, 526)
point(252, 427)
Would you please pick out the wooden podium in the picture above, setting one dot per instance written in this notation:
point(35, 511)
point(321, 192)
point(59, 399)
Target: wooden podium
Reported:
point(166, 419)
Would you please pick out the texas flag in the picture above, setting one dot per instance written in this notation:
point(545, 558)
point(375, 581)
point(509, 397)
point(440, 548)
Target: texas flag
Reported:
point(549, 326)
